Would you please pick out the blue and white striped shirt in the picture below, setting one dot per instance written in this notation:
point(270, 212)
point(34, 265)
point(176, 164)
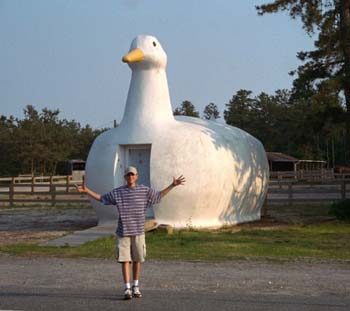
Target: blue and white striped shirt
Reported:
point(131, 204)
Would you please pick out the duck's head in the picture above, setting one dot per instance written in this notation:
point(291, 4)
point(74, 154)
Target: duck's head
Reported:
point(145, 53)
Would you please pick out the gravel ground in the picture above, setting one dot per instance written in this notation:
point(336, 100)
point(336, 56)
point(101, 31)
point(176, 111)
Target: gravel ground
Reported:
point(39, 224)
point(239, 276)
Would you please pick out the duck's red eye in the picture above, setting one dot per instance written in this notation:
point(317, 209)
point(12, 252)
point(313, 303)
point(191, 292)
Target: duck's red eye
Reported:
point(154, 44)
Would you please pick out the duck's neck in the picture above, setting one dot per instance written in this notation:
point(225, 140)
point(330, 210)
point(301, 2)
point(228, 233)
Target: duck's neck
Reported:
point(148, 102)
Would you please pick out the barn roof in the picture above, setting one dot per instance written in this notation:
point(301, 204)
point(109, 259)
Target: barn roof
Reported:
point(280, 157)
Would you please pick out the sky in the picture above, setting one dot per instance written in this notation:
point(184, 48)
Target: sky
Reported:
point(66, 54)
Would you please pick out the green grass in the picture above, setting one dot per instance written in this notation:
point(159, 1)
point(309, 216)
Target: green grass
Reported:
point(101, 248)
point(322, 241)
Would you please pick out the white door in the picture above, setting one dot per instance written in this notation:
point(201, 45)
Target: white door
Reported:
point(140, 156)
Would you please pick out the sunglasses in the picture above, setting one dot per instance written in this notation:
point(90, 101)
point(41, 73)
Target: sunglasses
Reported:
point(130, 174)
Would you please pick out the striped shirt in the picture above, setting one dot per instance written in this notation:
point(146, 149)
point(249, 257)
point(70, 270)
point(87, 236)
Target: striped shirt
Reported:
point(131, 204)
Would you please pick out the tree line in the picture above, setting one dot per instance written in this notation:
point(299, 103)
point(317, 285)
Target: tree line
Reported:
point(322, 81)
point(284, 124)
point(36, 143)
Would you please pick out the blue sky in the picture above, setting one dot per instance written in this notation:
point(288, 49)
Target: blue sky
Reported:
point(66, 54)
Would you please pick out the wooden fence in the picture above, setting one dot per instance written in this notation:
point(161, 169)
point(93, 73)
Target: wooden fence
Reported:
point(302, 175)
point(290, 192)
point(61, 189)
point(47, 189)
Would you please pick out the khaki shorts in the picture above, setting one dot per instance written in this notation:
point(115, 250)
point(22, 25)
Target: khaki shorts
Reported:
point(130, 248)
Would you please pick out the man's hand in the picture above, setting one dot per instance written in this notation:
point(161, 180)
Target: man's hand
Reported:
point(81, 188)
point(176, 182)
point(84, 189)
point(179, 181)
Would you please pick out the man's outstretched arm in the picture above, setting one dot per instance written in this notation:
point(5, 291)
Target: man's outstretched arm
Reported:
point(84, 189)
point(176, 182)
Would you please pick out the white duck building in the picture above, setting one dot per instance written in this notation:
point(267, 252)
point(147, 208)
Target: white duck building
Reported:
point(226, 169)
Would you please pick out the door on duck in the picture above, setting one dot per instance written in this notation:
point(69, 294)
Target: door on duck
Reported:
point(139, 156)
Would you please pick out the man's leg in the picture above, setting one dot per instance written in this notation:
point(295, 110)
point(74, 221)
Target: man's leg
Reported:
point(138, 254)
point(123, 256)
point(136, 268)
point(126, 276)
point(126, 271)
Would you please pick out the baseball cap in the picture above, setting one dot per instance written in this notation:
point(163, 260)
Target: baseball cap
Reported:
point(130, 169)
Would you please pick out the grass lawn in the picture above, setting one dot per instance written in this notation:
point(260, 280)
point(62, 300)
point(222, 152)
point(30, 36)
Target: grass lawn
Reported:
point(321, 241)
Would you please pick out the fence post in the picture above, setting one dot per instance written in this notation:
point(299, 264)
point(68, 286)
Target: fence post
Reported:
point(67, 183)
point(343, 189)
point(52, 190)
point(290, 193)
point(33, 182)
point(12, 190)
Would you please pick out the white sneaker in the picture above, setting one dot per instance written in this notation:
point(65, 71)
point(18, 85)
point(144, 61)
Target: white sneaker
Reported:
point(136, 292)
point(127, 294)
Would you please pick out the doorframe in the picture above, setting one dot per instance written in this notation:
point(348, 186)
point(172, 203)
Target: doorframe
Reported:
point(127, 147)
point(123, 160)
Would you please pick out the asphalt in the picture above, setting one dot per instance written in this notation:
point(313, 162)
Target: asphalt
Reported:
point(79, 284)
point(55, 300)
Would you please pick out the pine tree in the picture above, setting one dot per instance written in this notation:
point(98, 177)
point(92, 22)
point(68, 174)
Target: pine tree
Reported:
point(186, 109)
point(324, 77)
point(211, 110)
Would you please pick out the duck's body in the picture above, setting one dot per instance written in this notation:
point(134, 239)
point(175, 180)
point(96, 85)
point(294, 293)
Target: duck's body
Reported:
point(226, 168)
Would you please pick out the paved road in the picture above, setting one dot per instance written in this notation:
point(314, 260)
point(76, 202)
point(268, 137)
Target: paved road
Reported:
point(90, 284)
point(163, 300)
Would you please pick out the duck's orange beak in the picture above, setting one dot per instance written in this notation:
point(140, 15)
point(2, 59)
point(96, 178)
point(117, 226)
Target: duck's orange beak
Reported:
point(133, 56)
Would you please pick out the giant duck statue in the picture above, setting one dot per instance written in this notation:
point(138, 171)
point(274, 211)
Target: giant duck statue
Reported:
point(226, 169)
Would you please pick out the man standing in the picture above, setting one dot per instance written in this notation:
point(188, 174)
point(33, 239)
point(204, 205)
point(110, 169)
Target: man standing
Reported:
point(131, 201)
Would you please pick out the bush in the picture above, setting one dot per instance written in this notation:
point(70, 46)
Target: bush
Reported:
point(341, 209)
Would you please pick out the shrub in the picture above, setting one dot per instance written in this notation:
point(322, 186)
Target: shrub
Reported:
point(341, 209)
